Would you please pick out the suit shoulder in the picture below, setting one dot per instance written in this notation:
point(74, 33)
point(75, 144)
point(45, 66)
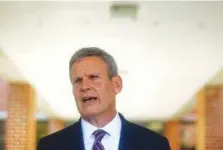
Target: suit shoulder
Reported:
point(147, 133)
point(148, 138)
point(60, 139)
point(60, 134)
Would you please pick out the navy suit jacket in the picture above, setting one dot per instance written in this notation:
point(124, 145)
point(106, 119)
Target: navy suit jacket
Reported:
point(133, 137)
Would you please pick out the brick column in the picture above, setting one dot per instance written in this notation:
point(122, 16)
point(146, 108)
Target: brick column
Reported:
point(20, 124)
point(55, 125)
point(172, 132)
point(210, 118)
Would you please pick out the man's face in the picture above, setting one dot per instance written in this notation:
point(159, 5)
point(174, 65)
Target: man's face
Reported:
point(94, 92)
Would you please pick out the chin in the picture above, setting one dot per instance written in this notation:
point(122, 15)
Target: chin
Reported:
point(90, 113)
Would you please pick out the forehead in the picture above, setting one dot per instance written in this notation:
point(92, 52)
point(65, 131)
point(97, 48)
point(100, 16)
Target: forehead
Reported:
point(89, 65)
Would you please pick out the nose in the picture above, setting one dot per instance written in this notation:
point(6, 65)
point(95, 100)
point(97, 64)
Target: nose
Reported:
point(85, 85)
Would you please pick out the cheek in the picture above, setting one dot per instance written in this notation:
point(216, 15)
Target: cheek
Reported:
point(106, 90)
point(109, 88)
point(75, 92)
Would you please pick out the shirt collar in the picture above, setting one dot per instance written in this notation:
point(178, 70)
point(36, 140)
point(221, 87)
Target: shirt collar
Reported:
point(113, 128)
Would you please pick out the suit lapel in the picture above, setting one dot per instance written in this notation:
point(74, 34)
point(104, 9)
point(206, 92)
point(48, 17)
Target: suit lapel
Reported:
point(75, 139)
point(126, 139)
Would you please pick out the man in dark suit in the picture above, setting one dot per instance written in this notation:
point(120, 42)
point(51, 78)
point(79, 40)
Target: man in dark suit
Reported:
point(95, 80)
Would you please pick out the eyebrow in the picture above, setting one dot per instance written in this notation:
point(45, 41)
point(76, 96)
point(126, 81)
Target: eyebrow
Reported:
point(77, 79)
point(89, 75)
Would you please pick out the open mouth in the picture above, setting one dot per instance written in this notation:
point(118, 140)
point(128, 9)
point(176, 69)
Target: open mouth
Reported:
point(89, 99)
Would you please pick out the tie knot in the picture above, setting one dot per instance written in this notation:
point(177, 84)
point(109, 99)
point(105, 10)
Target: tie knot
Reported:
point(99, 134)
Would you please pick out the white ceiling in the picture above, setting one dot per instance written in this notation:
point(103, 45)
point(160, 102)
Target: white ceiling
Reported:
point(9, 70)
point(165, 56)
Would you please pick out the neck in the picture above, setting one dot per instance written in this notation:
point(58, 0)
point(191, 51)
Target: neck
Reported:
point(101, 120)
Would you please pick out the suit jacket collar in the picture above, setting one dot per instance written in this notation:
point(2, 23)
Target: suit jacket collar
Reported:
point(125, 142)
point(75, 141)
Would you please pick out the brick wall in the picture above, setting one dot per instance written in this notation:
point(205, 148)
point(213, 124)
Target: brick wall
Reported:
point(20, 124)
point(210, 118)
point(214, 118)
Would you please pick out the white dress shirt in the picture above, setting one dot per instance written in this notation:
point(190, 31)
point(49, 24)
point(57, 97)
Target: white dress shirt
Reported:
point(110, 141)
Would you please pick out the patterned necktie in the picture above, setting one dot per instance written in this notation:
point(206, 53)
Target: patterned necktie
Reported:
point(98, 134)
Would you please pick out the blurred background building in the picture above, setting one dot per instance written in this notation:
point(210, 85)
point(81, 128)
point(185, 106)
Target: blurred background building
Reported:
point(169, 55)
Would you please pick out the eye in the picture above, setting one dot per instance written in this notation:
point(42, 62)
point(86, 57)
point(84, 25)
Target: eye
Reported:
point(93, 76)
point(77, 80)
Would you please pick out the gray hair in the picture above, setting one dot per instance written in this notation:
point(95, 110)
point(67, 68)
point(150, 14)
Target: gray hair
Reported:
point(97, 52)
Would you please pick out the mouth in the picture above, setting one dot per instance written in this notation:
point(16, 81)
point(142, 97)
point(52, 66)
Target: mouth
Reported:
point(89, 99)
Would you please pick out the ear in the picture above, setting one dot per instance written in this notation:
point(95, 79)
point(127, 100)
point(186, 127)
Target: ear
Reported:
point(117, 83)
